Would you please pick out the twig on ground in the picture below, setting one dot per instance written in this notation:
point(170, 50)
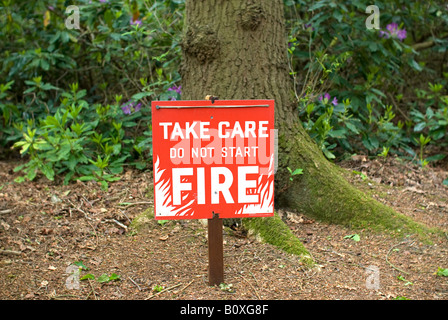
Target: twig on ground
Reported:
point(59, 297)
point(256, 292)
point(156, 294)
point(186, 286)
point(124, 213)
point(387, 259)
point(140, 289)
point(10, 252)
point(93, 291)
point(118, 223)
point(130, 204)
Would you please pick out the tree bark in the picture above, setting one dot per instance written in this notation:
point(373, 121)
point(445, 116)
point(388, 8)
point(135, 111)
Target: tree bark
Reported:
point(237, 49)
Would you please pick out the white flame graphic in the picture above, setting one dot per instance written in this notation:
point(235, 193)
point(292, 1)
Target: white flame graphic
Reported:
point(163, 199)
point(266, 191)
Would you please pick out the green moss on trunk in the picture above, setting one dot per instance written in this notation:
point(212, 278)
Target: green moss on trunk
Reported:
point(322, 192)
point(274, 231)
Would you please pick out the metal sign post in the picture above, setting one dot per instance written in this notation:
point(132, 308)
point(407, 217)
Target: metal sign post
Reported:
point(213, 156)
point(215, 251)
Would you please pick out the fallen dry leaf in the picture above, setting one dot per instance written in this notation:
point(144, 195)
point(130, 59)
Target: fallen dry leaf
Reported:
point(5, 225)
point(413, 189)
point(29, 296)
point(164, 238)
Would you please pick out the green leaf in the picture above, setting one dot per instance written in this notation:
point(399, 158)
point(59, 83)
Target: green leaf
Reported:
point(19, 179)
point(48, 172)
point(352, 127)
point(445, 182)
point(401, 298)
point(328, 154)
point(441, 272)
point(68, 177)
point(419, 126)
point(436, 157)
point(415, 65)
point(140, 95)
point(18, 168)
point(363, 176)
point(32, 172)
point(103, 278)
point(44, 65)
point(104, 185)
point(114, 277)
point(81, 265)
point(88, 276)
point(354, 237)
point(162, 222)
point(318, 5)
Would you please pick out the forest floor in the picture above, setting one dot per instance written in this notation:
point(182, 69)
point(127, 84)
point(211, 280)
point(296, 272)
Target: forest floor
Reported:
point(46, 227)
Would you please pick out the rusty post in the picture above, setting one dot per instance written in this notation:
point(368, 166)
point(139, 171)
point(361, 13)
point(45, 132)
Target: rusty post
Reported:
point(215, 251)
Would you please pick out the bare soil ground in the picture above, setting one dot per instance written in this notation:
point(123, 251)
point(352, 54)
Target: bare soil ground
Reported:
point(45, 227)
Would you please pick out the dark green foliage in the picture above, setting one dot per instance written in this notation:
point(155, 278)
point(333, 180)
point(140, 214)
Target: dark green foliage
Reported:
point(76, 101)
point(378, 77)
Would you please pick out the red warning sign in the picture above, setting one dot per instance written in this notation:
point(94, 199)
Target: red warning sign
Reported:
point(213, 158)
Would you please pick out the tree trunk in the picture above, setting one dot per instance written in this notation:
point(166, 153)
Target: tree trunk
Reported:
point(237, 49)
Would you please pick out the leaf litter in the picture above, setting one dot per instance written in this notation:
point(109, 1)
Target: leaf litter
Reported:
point(46, 227)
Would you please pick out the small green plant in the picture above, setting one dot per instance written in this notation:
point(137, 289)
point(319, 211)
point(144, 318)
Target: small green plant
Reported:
point(354, 237)
point(406, 282)
point(441, 272)
point(228, 287)
point(104, 278)
point(385, 152)
point(162, 222)
point(79, 144)
point(401, 298)
point(362, 175)
point(88, 276)
point(81, 265)
point(431, 124)
point(422, 141)
point(157, 288)
point(294, 173)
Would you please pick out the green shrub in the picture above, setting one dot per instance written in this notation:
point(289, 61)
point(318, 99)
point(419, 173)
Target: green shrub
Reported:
point(122, 48)
point(369, 72)
point(76, 101)
point(80, 144)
